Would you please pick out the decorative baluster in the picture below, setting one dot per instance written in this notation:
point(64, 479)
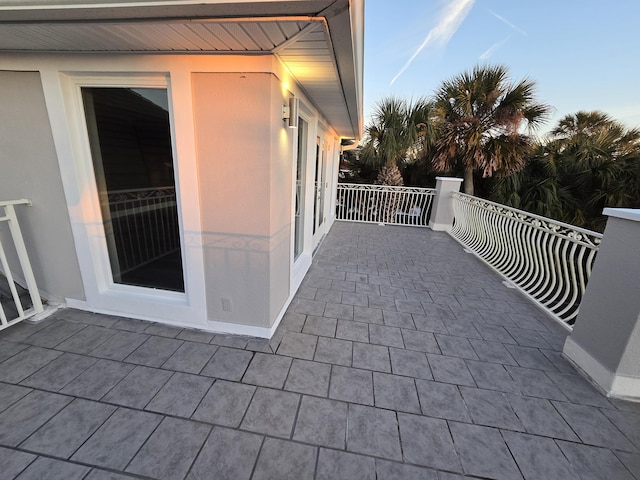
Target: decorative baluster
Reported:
point(548, 261)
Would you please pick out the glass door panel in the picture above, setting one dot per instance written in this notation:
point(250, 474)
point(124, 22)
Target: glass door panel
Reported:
point(318, 207)
point(299, 212)
point(130, 139)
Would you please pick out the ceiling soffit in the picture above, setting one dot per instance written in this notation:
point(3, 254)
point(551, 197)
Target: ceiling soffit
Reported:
point(302, 43)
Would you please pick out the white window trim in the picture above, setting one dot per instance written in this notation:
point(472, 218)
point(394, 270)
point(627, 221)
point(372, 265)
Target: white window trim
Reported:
point(101, 293)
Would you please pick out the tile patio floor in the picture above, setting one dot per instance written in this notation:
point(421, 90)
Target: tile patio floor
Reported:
point(401, 357)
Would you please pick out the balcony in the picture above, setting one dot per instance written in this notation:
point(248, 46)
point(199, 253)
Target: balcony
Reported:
point(401, 356)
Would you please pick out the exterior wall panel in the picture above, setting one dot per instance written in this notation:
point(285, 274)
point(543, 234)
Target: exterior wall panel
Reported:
point(245, 164)
point(29, 169)
point(235, 159)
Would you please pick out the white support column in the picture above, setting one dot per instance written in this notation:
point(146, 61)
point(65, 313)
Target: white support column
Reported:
point(605, 342)
point(442, 212)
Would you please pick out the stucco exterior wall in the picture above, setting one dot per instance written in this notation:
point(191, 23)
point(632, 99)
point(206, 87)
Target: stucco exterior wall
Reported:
point(235, 166)
point(245, 158)
point(608, 326)
point(29, 169)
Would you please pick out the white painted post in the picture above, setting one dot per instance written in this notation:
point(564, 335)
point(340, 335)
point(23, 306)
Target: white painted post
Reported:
point(442, 213)
point(23, 256)
point(605, 342)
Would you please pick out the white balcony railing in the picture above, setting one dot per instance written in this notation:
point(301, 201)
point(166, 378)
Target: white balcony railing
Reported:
point(548, 261)
point(383, 204)
point(141, 226)
point(12, 309)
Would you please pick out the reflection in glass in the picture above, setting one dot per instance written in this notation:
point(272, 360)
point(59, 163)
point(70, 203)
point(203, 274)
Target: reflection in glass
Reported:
point(300, 163)
point(130, 140)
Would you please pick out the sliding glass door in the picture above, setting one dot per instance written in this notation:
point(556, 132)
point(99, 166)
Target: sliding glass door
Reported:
point(298, 244)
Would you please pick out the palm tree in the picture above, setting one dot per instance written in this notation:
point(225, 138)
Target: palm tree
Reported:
point(392, 136)
point(480, 117)
point(588, 162)
point(536, 188)
point(583, 124)
point(396, 130)
point(599, 164)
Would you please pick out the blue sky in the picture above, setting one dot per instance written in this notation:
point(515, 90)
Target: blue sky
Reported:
point(582, 54)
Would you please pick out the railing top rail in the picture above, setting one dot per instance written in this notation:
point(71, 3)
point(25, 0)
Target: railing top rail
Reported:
point(134, 194)
point(22, 201)
point(146, 189)
point(365, 186)
point(521, 214)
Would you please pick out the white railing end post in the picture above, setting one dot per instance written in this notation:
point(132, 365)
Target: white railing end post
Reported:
point(442, 213)
point(605, 341)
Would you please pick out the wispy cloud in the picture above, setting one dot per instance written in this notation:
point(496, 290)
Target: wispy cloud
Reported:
point(507, 22)
point(489, 51)
point(451, 18)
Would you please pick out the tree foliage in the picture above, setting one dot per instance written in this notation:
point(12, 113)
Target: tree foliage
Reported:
point(480, 123)
point(392, 136)
point(588, 162)
point(479, 120)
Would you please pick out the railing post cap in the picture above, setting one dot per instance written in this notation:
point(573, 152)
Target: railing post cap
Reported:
point(632, 214)
point(450, 179)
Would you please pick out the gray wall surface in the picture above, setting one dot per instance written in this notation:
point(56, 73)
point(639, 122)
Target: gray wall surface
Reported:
point(29, 169)
point(607, 325)
point(245, 165)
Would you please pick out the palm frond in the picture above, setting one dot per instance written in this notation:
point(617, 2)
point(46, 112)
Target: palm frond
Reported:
point(481, 115)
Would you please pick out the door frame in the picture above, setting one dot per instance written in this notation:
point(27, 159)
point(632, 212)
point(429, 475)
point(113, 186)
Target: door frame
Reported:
point(101, 293)
point(319, 194)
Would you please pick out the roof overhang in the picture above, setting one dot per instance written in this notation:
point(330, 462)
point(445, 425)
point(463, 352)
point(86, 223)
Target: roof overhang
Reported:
point(319, 41)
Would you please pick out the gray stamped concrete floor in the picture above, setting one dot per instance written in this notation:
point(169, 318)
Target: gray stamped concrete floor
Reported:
point(401, 357)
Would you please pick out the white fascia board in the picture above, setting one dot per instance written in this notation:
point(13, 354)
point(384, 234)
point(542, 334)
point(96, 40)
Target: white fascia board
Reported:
point(346, 30)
